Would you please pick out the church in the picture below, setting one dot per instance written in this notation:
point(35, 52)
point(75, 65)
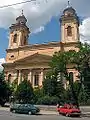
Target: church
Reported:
point(30, 61)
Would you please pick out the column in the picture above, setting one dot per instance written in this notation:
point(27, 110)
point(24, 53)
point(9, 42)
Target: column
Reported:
point(41, 78)
point(10, 40)
point(19, 77)
point(33, 78)
point(30, 76)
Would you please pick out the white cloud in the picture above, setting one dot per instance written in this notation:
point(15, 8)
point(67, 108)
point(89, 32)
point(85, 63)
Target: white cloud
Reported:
point(37, 13)
point(40, 12)
point(85, 30)
point(41, 28)
point(2, 60)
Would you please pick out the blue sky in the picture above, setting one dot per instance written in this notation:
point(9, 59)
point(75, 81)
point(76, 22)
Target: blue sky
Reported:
point(43, 17)
point(3, 42)
point(51, 32)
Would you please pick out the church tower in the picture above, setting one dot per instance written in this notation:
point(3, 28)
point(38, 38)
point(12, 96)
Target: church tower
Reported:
point(19, 33)
point(69, 25)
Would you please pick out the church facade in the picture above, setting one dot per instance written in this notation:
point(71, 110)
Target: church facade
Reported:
point(27, 61)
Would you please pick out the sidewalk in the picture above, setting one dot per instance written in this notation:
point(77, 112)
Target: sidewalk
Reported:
point(4, 108)
point(44, 112)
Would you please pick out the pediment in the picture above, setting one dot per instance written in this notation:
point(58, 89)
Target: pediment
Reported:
point(35, 58)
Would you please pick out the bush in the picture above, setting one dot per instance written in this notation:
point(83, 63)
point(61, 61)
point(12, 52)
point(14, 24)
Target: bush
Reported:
point(38, 93)
point(5, 90)
point(24, 92)
point(47, 100)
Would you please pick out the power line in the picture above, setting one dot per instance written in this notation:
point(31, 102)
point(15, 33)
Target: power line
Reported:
point(17, 3)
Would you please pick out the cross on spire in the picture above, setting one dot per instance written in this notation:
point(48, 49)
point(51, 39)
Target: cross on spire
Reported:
point(68, 3)
point(22, 12)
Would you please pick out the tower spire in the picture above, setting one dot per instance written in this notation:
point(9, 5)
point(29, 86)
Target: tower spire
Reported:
point(68, 4)
point(22, 12)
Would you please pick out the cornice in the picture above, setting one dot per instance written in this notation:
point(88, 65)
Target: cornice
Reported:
point(49, 45)
point(36, 46)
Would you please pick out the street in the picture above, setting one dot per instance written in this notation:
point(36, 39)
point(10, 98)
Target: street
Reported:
point(6, 115)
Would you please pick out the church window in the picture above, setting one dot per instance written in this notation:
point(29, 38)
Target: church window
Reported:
point(15, 38)
point(9, 78)
point(69, 31)
point(36, 80)
point(71, 77)
point(12, 56)
point(25, 40)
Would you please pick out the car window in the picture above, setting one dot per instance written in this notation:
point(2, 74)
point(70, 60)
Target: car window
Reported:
point(21, 106)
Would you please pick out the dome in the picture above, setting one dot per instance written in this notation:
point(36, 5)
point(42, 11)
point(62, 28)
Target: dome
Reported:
point(21, 19)
point(69, 11)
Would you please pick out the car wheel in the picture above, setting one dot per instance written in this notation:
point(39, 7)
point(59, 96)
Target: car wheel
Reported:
point(13, 111)
point(30, 113)
point(59, 113)
point(67, 115)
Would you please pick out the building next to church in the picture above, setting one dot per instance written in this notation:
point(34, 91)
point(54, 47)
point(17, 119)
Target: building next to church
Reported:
point(30, 62)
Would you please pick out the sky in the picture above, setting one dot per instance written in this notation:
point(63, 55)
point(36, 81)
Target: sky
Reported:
point(43, 20)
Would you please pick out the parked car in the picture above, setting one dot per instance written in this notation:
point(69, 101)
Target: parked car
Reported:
point(24, 108)
point(69, 110)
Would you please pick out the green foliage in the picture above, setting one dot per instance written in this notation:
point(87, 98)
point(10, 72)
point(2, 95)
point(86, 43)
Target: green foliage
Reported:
point(38, 93)
point(60, 90)
point(48, 100)
point(5, 90)
point(83, 65)
point(2, 76)
point(80, 61)
point(83, 96)
point(52, 86)
point(14, 85)
point(49, 84)
point(24, 92)
point(59, 64)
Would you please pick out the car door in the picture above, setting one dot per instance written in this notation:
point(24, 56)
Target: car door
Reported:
point(21, 109)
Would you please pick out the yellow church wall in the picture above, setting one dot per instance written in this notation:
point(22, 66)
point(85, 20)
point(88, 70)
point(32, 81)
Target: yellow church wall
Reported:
point(46, 51)
point(19, 50)
point(22, 52)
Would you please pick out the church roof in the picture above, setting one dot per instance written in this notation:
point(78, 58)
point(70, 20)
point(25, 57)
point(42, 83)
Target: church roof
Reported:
point(69, 9)
point(21, 19)
point(35, 58)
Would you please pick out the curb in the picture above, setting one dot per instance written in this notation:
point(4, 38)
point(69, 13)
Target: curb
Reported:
point(48, 112)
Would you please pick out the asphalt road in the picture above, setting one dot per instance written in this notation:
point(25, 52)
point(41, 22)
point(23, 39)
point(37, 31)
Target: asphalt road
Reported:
point(6, 115)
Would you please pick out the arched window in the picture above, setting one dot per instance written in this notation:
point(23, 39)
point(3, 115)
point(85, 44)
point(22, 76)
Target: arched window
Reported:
point(71, 77)
point(36, 80)
point(69, 31)
point(12, 56)
point(25, 41)
point(15, 38)
point(9, 78)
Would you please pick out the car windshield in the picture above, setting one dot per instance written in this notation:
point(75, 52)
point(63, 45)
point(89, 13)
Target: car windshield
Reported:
point(15, 105)
point(70, 106)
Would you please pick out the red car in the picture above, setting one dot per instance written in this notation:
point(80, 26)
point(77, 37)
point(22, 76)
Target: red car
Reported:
point(69, 110)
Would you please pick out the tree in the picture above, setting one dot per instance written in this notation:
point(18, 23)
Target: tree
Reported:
point(5, 90)
point(60, 62)
point(53, 86)
point(80, 61)
point(24, 92)
point(38, 93)
point(83, 65)
point(49, 84)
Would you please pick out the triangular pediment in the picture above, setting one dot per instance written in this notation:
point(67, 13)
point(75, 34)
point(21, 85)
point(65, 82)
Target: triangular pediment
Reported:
point(35, 58)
